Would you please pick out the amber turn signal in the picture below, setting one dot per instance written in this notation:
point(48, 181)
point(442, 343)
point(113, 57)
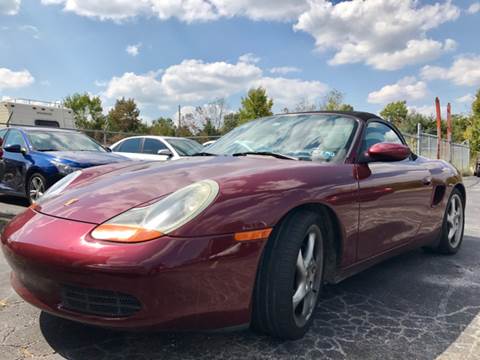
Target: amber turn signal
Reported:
point(253, 235)
point(124, 233)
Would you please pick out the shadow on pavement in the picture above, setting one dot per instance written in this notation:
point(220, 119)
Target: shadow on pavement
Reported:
point(413, 306)
point(14, 200)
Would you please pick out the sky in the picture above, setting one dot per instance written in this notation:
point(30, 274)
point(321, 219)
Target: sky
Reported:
point(165, 53)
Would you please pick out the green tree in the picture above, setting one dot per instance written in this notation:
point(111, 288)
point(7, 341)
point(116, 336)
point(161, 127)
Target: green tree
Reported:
point(334, 101)
point(230, 122)
point(255, 105)
point(208, 129)
point(472, 132)
point(396, 113)
point(125, 116)
point(87, 111)
point(162, 126)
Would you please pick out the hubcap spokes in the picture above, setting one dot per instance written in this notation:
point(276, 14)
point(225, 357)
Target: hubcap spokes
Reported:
point(307, 280)
point(36, 188)
point(455, 221)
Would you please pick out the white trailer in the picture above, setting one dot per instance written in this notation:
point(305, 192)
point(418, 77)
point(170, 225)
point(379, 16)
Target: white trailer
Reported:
point(24, 112)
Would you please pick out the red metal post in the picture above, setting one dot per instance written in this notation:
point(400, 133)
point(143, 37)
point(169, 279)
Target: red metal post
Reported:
point(439, 126)
point(449, 131)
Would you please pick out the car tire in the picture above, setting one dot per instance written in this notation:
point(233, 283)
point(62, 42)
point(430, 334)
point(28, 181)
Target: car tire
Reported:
point(453, 225)
point(290, 277)
point(36, 187)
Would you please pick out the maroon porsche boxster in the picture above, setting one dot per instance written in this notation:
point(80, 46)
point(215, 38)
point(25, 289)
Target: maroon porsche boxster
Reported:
point(246, 233)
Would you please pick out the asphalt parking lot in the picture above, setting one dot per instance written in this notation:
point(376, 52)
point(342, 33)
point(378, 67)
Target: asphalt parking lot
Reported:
point(416, 306)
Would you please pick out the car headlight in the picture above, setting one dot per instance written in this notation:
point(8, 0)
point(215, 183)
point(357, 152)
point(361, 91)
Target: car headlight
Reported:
point(160, 218)
point(58, 187)
point(64, 169)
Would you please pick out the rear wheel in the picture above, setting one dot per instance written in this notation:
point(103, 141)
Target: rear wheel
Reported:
point(290, 277)
point(453, 225)
point(36, 187)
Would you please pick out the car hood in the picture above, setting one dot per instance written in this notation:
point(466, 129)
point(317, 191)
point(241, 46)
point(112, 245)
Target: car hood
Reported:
point(104, 192)
point(83, 159)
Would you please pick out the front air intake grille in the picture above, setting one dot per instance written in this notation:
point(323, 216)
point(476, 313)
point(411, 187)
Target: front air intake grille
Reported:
point(99, 302)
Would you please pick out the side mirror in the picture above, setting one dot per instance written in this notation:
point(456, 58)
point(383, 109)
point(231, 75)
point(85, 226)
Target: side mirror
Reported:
point(15, 149)
point(389, 152)
point(165, 152)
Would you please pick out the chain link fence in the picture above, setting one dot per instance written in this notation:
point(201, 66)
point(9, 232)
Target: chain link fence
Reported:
point(426, 145)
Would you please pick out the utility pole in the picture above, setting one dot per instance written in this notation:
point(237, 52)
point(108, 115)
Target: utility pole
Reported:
point(179, 117)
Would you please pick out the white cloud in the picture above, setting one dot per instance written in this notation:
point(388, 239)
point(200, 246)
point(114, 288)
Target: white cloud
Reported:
point(289, 92)
point(474, 8)
point(10, 79)
point(185, 10)
point(196, 82)
point(407, 88)
point(249, 58)
point(428, 110)
point(133, 50)
point(283, 70)
point(466, 99)
point(9, 7)
point(387, 34)
point(33, 30)
point(465, 71)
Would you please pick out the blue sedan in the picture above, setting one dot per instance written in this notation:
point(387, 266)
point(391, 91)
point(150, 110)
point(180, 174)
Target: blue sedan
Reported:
point(33, 159)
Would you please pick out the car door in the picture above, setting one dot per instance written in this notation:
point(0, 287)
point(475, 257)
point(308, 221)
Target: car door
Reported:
point(130, 148)
point(393, 196)
point(151, 147)
point(14, 163)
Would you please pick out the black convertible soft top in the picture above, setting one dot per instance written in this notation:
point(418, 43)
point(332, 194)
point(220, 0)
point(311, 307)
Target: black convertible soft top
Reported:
point(358, 114)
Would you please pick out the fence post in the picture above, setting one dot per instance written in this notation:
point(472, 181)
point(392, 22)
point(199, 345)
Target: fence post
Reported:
point(439, 126)
point(449, 132)
point(419, 139)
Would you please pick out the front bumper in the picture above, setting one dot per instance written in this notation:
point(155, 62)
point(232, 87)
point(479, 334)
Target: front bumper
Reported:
point(197, 283)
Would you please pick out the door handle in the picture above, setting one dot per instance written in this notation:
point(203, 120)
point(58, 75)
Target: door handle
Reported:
point(427, 181)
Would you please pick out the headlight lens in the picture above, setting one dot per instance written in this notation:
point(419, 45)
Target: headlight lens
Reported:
point(59, 186)
point(164, 216)
point(64, 169)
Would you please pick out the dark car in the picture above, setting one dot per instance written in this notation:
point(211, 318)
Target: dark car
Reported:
point(246, 236)
point(33, 159)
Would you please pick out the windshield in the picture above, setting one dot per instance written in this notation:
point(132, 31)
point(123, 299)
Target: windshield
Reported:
point(313, 137)
point(62, 141)
point(185, 147)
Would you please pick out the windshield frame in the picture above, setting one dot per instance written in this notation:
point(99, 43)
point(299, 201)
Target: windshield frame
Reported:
point(100, 149)
point(349, 146)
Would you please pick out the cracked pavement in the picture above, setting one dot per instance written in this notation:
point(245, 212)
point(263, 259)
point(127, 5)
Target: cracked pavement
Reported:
point(415, 306)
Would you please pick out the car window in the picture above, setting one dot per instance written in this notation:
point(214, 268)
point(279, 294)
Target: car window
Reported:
point(43, 140)
point(309, 137)
point(377, 132)
point(2, 133)
point(129, 146)
point(15, 137)
point(185, 147)
point(152, 146)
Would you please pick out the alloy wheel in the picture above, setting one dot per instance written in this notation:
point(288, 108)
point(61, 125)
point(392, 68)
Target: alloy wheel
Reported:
point(455, 221)
point(36, 188)
point(308, 276)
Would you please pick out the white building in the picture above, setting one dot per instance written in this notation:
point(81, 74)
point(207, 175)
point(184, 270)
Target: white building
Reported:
point(25, 112)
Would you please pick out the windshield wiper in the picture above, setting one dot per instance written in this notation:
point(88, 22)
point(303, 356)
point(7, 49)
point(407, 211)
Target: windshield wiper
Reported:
point(266, 153)
point(203, 154)
point(45, 150)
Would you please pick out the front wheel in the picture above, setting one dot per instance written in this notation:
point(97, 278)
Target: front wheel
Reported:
point(290, 277)
point(36, 187)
